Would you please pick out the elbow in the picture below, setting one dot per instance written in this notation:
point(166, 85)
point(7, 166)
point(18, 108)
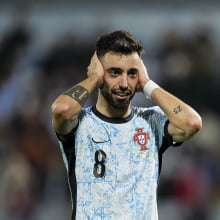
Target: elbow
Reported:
point(194, 125)
point(190, 126)
point(61, 109)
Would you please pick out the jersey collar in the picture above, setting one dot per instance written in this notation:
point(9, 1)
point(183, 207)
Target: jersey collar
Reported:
point(113, 120)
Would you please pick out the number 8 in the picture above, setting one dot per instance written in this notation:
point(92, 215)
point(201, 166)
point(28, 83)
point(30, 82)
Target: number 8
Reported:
point(99, 166)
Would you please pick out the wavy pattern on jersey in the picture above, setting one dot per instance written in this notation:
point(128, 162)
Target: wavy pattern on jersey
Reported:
point(127, 189)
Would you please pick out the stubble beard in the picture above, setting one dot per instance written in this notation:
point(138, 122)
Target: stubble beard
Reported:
point(117, 104)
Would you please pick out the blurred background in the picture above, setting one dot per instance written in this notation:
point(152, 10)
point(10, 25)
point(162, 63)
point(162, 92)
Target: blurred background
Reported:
point(45, 48)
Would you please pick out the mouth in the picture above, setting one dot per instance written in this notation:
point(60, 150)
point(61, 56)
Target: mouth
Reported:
point(121, 95)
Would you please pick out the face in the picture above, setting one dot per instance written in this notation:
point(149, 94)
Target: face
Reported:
point(120, 79)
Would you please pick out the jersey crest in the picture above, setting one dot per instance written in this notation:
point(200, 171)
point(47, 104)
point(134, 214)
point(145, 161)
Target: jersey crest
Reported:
point(141, 138)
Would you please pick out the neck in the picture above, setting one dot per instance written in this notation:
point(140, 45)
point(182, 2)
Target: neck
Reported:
point(104, 108)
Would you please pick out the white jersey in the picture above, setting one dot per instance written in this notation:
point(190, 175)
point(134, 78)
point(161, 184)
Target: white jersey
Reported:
point(113, 164)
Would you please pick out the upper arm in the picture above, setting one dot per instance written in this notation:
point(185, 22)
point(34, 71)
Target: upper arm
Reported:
point(65, 112)
point(63, 127)
point(178, 135)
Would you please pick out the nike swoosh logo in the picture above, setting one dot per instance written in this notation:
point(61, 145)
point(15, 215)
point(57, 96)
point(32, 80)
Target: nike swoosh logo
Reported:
point(98, 142)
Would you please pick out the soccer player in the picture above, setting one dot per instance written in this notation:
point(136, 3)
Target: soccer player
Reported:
point(112, 150)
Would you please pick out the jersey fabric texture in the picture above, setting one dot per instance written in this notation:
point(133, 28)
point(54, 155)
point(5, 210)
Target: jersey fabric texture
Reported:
point(113, 164)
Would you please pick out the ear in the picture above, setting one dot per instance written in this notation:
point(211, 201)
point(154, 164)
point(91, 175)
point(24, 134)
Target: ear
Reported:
point(138, 88)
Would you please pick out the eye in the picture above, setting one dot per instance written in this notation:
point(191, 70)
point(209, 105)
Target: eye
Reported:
point(114, 71)
point(133, 73)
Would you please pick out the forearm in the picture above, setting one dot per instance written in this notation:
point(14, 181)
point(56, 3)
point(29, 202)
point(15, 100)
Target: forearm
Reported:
point(184, 120)
point(66, 107)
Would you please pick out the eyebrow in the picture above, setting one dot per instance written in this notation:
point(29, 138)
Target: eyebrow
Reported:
point(114, 68)
point(119, 69)
point(133, 70)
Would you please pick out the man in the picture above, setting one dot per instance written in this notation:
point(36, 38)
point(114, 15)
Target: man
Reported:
point(112, 151)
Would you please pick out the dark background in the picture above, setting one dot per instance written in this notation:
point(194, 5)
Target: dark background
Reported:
point(45, 48)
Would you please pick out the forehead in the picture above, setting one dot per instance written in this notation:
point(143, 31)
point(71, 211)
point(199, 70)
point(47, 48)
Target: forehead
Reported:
point(111, 59)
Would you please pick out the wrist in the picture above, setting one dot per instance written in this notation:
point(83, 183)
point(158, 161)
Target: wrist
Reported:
point(93, 78)
point(149, 87)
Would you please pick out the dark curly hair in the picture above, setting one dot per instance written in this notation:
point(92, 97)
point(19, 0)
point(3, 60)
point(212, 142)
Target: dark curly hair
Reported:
point(119, 42)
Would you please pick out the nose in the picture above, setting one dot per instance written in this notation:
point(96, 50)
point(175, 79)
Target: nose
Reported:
point(123, 84)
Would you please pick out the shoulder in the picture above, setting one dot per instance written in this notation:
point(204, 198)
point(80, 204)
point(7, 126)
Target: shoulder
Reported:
point(154, 115)
point(147, 111)
point(85, 112)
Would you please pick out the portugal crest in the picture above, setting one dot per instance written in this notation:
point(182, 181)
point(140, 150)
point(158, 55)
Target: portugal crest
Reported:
point(141, 138)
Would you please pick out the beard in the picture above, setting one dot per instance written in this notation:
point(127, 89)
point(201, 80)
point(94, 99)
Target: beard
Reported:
point(116, 103)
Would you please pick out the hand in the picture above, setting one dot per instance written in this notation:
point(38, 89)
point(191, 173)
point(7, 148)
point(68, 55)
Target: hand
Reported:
point(143, 77)
point(95, 68)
